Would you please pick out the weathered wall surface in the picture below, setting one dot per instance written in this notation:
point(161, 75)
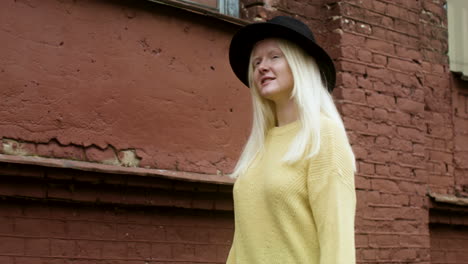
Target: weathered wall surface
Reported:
point(126, 83)
point(120, 82)
point(449, 235)
point(396, 101)
point(52, 215)
point(449, 244)
point(460, 110)
point(150, 86)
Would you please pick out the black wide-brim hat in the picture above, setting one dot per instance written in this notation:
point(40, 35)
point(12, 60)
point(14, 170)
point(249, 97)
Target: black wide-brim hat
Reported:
point(278, 27)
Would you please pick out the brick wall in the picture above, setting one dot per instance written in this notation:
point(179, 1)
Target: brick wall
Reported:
point(405, 113)
point(116, 82)
point(449, 234)
point(395, 98)
point(126, 84)
point(449, 244)
point(460, 104)
point(50, 215)
point(39, 232)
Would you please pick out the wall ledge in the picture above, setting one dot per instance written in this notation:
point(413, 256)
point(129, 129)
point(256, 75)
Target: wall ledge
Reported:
point(448, 199)
point(112, 169)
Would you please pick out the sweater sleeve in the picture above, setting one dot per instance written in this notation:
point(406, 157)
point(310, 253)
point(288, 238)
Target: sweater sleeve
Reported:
point(332, 197)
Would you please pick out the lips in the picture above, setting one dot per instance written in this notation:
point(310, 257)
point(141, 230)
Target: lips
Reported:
point(266, 79)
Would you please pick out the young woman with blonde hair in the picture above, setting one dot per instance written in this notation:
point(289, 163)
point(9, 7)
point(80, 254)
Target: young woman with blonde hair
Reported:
point(294, 197)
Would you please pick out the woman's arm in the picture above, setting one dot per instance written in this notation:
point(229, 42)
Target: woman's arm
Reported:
point(332, 198)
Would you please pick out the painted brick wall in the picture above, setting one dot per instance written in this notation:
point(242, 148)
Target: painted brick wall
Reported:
point(449, 244)
point(395, 98)
point(66, 216)
point(460, 103)
point(38, 232)
point(406, 117)
point(449, 235)
point(129, 83)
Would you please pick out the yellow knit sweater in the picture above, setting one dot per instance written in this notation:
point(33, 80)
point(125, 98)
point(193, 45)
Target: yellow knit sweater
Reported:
point(296, 214)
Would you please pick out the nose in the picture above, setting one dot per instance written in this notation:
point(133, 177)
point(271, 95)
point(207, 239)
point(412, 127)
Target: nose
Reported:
point(263, 66)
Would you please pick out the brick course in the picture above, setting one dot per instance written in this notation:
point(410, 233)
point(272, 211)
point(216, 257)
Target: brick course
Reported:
point(79, 227)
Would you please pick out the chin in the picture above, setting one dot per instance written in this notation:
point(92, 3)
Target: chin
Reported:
point(271, 93)
point(267, 95)
point(268, 91)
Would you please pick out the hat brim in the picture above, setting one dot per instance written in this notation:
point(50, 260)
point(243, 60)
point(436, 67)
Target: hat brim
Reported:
point(245, 39)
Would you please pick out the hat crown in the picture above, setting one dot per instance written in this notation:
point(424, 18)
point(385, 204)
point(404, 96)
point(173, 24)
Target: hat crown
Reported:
point(293, 24)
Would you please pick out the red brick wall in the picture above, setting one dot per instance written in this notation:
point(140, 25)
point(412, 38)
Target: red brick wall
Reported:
point(50, 215)
point(449, 235)
point(395, 98)
point(126, 83)
point(460, 103)
point(129, 83)
point(449, 244)
point(40, 232)
point(406, 119)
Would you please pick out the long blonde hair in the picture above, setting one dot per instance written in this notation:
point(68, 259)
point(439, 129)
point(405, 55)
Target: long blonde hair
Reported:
point(311, 98)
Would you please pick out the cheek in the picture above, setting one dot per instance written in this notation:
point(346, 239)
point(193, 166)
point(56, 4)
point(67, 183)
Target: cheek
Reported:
point(288, 75)
point(255, 76)
point(291, 77)
point(256, 80)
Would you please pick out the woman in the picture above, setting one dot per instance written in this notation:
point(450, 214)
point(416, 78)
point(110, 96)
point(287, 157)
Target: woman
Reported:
point(294, 197)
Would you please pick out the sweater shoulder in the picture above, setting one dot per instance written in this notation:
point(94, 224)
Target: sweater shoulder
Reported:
point(335, 150)
point(333, 139)
point(330, 128)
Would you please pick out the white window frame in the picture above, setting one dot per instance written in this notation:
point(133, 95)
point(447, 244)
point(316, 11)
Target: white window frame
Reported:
point(457, 15)
point(229, 7)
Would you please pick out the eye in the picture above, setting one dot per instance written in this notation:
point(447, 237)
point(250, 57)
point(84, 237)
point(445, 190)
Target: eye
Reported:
point(275, 56)
point(256, 63)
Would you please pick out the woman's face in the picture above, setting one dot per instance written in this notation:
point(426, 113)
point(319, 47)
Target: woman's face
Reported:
point(271, 73)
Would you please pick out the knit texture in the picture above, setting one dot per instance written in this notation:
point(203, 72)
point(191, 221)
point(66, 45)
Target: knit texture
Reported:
point(296, 214)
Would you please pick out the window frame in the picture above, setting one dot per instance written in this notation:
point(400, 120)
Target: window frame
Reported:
point(227, 10)
point(457, 25)
point(229, 7)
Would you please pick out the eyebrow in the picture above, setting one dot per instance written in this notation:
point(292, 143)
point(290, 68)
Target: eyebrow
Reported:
point(272, 50)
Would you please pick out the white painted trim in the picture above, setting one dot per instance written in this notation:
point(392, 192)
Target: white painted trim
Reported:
point(457, 14)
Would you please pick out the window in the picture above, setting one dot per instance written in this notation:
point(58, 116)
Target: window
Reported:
point(457, 13)
point(229, 7)
point(225, 7)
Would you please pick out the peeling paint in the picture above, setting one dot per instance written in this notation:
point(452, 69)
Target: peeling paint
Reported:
point(13, 147)
point(142, 100)
point(128, 158)
point(54, 149)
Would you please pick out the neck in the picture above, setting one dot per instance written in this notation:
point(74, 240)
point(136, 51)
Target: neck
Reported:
point(286, 112)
